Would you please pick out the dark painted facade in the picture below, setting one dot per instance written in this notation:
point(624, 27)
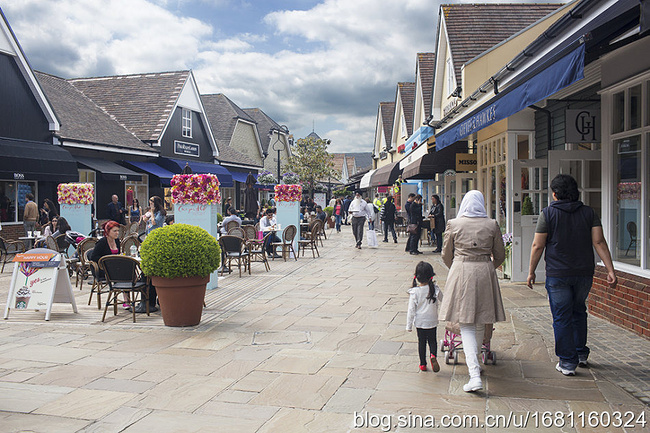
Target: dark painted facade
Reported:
point(199, 138)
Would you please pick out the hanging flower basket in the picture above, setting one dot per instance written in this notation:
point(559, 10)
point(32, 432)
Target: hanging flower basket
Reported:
point(75, 193)
point(288, 192)
point(290, 178)
point(195, 189)
point(266, 178)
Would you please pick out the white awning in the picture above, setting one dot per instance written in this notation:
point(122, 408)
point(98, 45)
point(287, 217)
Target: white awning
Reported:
point(365, 180)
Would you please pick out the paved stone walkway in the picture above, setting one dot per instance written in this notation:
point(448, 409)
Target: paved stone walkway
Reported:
point(316, 345)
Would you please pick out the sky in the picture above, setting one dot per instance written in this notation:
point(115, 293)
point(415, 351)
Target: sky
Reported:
point(310, 65)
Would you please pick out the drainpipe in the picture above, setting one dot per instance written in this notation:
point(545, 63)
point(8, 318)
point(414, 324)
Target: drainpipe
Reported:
point(549, 125)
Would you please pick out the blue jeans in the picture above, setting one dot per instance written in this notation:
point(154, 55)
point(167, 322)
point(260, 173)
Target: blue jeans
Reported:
point(338, 223)
point(567, 297)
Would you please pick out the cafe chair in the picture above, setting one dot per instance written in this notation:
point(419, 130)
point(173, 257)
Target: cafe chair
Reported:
point(9, 248)
point(50, 243)
point(123, 277)
point(631, 230)
point(250, 232)
point(129, 241)
point(257, 251)
point(124, 230)
point(234, 248)
point(133, 228)
point(231, 224)
point(311, 242)
point(99, 285)
point(288, 234)
point(62, 244)
point(237, 231)
point(82, 268)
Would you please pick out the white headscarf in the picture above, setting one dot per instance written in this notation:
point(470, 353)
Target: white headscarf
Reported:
point(473, 205)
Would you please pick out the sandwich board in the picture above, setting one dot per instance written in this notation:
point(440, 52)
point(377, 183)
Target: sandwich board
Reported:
point(39, 279)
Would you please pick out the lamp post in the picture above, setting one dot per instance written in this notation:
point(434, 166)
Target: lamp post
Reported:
point(277, 144)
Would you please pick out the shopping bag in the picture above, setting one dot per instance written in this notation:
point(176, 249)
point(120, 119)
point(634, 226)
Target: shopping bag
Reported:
point(372, 239)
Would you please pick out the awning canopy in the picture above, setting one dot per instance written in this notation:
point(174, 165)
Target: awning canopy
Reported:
point(435, 162)
point(241, 177)
point(154, 169)
point(558, 75)
point(177, 165)
point(365, 180)
point(386, 175)
point(420, 136)
point(108, 170)
point(33, 160)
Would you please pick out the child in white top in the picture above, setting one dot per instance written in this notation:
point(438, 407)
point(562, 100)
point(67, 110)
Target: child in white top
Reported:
point(425, 296)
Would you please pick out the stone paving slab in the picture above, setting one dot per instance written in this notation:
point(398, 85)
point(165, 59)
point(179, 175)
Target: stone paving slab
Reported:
point(302, 348)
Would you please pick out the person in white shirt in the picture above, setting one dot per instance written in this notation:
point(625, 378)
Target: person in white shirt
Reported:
point(360, 212)
point(423, 313)
point(267, 222)
point(231, 217)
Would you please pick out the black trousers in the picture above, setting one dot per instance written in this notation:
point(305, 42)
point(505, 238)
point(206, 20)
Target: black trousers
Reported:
point(389, 226)
point(414, 240)
point(426, 336)
point(439, 238)
point(357, 228)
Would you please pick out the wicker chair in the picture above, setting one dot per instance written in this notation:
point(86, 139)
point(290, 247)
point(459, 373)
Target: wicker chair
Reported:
point(100, 284)
point(123, 278)
point(257, 251)
point(83, 267)
point(62, 244)
point(311, 242)
point(124, 231)
point(9, 248)
point(288, 234)
point(250, 232)
point(231, 224)
point(234, 248)
point(237, 231)
point(50, 244)
point(127, 242)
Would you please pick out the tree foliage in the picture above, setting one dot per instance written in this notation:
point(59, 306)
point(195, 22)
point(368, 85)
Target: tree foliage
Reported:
point(311, 162)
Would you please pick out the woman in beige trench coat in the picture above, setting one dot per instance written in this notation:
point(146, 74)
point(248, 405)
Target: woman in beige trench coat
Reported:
point(472, 250)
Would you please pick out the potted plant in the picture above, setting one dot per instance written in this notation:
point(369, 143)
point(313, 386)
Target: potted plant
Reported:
point(179, 259)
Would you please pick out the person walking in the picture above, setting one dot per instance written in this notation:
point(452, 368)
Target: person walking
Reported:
point(472, 250)
point(438, 214)
point(338, 213)
point(134, 211)
point(346, 210)
point(569, 231)
point(388, 219)
point(407, 207)
point(415, 219)
point(360, 212)
point(30, 216)
point(424, 298)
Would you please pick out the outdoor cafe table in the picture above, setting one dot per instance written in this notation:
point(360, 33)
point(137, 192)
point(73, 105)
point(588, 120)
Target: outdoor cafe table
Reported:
point(30, 241)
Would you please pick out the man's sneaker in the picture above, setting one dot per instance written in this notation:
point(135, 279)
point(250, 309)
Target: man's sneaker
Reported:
point(434, 364)
point(565, 371)
point(582, 361)
point(474, 384)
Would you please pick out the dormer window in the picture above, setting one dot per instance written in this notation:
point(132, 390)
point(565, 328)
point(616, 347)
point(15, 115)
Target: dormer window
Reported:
point(450, 77)
point(187, 123)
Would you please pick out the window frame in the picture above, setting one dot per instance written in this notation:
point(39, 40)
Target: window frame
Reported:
point(186, 122)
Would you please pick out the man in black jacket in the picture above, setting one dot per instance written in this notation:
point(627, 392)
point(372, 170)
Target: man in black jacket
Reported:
point(569, 231)
point(407, 209)
point(387, 215)
point(115, 210)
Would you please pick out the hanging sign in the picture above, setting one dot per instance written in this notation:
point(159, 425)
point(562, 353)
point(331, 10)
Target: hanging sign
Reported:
point(466, 161)
point(582, 126)
point(39, 279)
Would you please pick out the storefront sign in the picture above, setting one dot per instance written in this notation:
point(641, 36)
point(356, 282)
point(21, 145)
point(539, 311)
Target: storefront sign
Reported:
point(466, 161)
point(187, 149)
point(453, 104)
point(583, 126)
point(19, 176)
point(383, 155)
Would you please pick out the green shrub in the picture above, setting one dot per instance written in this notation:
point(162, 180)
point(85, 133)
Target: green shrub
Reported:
point(527, 206)
point(329, 210)
point(180, 250)
point(219, 218)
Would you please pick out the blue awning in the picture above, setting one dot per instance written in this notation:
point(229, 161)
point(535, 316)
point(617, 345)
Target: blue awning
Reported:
point(152, 168)
point(241, 177)
point(417, 138)
point(177, 165)
point(559, 75)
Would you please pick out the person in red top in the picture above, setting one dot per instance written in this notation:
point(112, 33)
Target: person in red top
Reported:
point(338, 213)
point(109, 244)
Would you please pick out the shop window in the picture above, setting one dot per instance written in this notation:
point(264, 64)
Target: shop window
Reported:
point(187, 123)
point(523, 147)
point(12, 199)
point(618, 112)
point(627, 154)
point(635, 107)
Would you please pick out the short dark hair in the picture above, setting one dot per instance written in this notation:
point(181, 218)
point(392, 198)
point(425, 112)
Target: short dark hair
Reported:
point(411, 195)
point(29, 196)
point(269, 211)
point(232, 211)
point(565, 187)
point(318, 207)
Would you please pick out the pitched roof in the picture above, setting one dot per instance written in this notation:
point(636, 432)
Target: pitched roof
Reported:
point(313, 135)
point(426, 63)
point(264, 125)
point(141, 102)
point(387, 110)
point(474, 28)
point(223, 115)
point(362, 160)
point(407, 94)
point(82, 120)
point(338, 159)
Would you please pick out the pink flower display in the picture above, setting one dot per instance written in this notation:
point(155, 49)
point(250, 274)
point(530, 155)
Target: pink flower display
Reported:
point(195, 189)
point(629, 191)
point(75, 193)
point(288, 192)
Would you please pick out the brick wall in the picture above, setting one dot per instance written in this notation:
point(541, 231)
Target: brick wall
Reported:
point(627, 305)
point(12, 232)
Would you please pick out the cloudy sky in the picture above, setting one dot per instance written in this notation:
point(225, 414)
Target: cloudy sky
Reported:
point(324, 63)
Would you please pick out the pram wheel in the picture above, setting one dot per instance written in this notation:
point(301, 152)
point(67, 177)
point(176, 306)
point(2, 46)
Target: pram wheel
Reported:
point(447, 357)
point(489, 356)
point(442, 346)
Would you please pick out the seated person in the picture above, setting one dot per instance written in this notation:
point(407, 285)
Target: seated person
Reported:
point(109, 244)
point(303, 211)
point(169, 220)
point(231, 217)
point(51, 227)
point(268, 221)
point(320, 214)
point(62, 227)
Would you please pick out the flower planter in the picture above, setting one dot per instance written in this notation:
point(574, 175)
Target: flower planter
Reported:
point(181, 299)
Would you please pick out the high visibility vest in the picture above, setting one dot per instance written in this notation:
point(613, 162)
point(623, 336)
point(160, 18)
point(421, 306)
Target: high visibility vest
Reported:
point(377, 203)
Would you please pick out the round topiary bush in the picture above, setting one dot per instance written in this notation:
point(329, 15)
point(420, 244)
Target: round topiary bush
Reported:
point(180, 250)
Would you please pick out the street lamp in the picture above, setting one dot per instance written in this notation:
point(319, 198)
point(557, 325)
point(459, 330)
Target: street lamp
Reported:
point(278, 145)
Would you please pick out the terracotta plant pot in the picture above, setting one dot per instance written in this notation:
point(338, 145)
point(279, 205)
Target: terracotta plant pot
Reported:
point(181, 299)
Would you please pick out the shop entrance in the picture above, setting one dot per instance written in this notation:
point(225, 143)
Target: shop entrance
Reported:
point(456, 186)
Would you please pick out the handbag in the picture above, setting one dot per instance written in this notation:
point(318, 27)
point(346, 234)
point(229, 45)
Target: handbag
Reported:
point(432, 223)
point(412, 229)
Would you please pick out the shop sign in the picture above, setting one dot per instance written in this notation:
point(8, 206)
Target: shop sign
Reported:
point(187, 149)
point(383, 155)
point(123, 177)
point(453, 104)
point(19, 176)
point(466, 161)
point(583, 126)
